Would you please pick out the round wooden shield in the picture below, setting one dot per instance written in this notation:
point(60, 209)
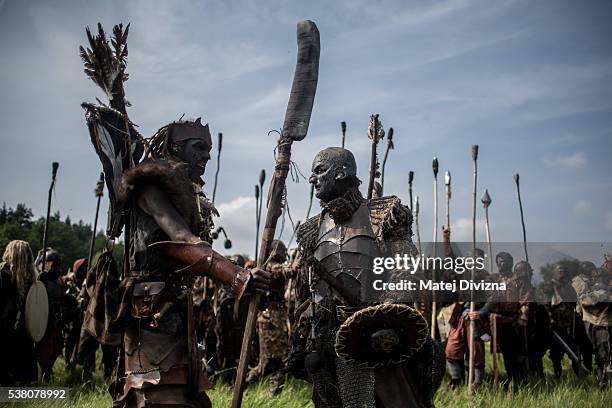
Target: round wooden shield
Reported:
point(404, 328)
point(37, 311)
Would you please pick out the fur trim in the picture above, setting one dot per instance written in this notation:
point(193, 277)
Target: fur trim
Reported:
point(307, 234)
point(171, 177)
point(391, 220)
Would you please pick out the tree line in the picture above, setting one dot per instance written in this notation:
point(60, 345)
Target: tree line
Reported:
point(70, 239)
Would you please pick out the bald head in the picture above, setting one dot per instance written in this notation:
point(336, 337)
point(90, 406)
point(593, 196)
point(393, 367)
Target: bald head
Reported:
point(334, 172)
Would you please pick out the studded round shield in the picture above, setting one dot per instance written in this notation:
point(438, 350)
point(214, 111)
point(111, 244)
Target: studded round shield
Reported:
point(36, 311)
point(380, 335)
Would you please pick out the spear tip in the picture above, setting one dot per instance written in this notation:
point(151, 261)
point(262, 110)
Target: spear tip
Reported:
point(474, 152)
point(410, 177)
point(447, 178)
point(486, 198)
point(434, 166)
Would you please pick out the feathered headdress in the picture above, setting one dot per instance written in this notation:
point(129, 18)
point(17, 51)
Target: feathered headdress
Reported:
point(115, 138)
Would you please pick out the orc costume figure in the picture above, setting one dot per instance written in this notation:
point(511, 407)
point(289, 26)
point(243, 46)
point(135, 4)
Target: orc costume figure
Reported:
point(594, 290)
point(272, 328)
point(168, 222)
point(339, 245)
point(512, 308)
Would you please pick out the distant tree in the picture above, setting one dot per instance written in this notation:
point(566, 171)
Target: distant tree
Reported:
point(71, 240)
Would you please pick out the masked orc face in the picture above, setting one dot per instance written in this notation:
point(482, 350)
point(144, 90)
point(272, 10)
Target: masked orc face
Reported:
point(333, 173)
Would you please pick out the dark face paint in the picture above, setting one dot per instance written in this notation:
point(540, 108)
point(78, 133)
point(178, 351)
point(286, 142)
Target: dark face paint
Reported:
point(323, 178)
point(196, 153)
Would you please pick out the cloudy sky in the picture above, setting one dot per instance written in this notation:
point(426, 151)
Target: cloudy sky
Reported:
point(529, 82)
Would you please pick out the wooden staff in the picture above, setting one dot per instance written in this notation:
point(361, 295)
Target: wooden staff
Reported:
point(486, 202)
point(384, 163)
point(219, 147)
point(434, 305)
point(472, 303)
point(343, 128)
point(295, 128)
point(375, 133)
point(54, 167)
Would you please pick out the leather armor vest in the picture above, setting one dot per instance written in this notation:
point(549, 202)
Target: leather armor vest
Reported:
point(347, 250)
point(146, 262)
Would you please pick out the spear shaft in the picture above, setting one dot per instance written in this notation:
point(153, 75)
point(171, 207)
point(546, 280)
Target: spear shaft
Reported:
point(384, 163)
point(434, 305)
point(416, 221)
point(54, 167)
point(373, 161)
point(486, 202)
point(99, 193)
point(219, 147)
point(518, 191)
point(310, 201)
point(472, 304)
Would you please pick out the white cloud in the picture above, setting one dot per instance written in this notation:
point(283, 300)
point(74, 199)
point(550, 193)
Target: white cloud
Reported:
point(582, 207)
point(461, 230)
point(237, 217)
point(573, 161)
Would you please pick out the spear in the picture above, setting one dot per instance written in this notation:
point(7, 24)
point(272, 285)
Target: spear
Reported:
point(219, 147)
point(384, 163)
point(295, 127)
point(518, 191)
point(310, 201)
point(343, 128)
point(99, 192)
point(434, 166)
point(410, 180)
point(472, 304)
point(54, 167)
point(416, 221)
point(256, 221)
point(486, 202)
point(375, 133)
point(447, 182)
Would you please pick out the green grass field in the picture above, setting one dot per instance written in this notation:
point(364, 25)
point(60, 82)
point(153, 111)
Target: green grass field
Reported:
point(567, 391)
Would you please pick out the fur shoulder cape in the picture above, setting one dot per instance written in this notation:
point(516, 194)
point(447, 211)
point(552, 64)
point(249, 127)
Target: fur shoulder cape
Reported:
point(171, 177)
point(391, 221)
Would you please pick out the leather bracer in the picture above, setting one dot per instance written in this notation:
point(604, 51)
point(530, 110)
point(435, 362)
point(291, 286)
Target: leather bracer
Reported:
point(202, 260)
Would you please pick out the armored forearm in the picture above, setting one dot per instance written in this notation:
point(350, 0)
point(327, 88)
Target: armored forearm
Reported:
point(202, 260)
